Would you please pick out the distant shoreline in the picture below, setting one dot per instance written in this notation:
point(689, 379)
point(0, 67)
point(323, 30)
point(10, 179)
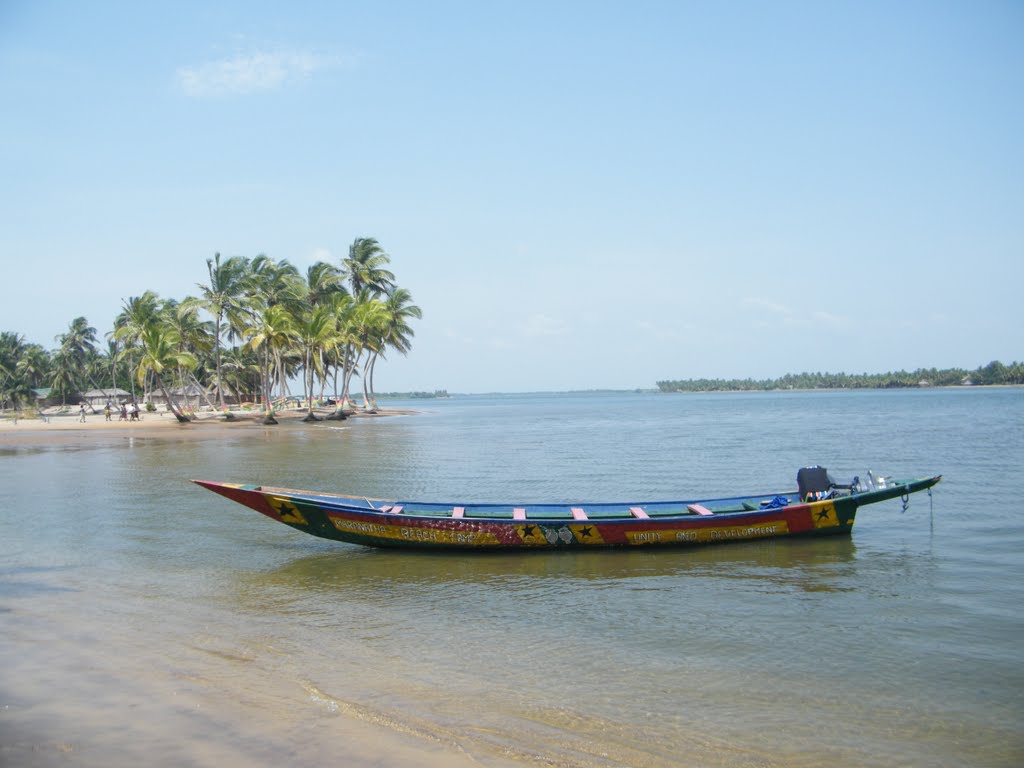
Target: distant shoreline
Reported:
point(943, 387)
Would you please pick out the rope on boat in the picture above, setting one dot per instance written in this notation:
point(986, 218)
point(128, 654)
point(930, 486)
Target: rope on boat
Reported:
point(905, 498)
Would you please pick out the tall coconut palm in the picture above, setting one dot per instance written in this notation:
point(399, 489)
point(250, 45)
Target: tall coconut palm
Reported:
point(194, 335)
point(76, 347)
point(273, 282)
point(14, 390)
point(323, 281)
point(365, 328)
point(270, 283)
point(271, 331)
point(364, 268)
point(242, 371)
point(138, 313)
point(63, 379)
point(158, 352)
point(338, 357)
point(316, 334)
point(34, 365)
point(12, 347)
point(396, 332)
point(14, 385)
point(220, 297)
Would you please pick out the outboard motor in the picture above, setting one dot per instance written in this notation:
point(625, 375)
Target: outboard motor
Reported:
point(814, 483)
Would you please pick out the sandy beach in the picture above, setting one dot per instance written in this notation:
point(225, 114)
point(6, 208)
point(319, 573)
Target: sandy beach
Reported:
point(67, 427)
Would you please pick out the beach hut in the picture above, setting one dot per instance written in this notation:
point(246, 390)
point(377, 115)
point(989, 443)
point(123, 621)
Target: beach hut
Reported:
point(97, 398)
point(191, 395)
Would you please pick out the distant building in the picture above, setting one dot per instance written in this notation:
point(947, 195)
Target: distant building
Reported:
point(97, 398)
point(192, 394)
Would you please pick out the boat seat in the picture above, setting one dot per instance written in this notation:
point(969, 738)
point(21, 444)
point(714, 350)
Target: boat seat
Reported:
point(699, 509)
point(814, 483)
point(579, 514)
point(638, 512)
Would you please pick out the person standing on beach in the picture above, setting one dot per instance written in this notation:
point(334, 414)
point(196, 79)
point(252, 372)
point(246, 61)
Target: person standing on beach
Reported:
point(106, 411)
point(81, 412)
point(124, 412)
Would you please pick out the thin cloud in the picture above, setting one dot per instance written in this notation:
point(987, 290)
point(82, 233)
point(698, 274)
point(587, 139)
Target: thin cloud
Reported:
point(768, 313)
point(251, 73)
point(544, 325)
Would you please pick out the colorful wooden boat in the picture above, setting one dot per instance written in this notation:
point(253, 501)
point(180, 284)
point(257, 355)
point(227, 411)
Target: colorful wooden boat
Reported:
point(818, 507)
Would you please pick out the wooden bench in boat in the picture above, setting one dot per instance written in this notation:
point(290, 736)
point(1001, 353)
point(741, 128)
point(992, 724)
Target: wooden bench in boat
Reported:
point(558, 512)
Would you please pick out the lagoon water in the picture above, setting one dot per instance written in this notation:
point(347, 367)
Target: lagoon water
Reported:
point(144, 620)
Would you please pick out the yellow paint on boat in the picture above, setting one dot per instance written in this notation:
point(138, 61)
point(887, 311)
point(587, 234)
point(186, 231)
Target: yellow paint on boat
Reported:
point(587, 533)
point(823, 514)
point(412, 534)
point(287, 511)
point(703, 535)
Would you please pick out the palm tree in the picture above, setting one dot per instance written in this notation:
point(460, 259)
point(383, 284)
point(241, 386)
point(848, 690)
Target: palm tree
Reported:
point(139, 312)
point(338, 357)
point(323, 281)
point(364, 269)
point(365, 329)
point(271, 331)
point(34, 364)
point(242, 372)
point(76, 347)
point(396, 331)
point(14, 385)
point(316, 333)
point(159, 351)
point(14, 390)
point(221, 296)
point(273, 282)
point(194, 335)
point(62, 375)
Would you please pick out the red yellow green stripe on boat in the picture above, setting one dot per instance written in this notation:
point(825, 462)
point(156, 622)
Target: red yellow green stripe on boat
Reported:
point(375, 522)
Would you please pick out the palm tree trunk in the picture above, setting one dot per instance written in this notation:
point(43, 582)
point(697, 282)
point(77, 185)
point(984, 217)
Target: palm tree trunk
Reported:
point(373, 369)
point(204, 395)
point(182, 418)
point(366, 381)
point(268, 414)
point(308, 378)
point(216, 348)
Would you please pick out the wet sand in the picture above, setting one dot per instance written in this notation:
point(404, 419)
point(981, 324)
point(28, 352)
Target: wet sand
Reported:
point(77, 727)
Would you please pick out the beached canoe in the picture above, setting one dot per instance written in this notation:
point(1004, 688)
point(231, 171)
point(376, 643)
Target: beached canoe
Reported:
point(817, 507)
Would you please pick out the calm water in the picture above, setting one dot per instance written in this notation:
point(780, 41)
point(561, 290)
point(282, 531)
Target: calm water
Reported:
point(146, 620)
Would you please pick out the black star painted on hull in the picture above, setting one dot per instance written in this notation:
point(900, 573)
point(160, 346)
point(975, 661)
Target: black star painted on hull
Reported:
point(823, 515)
point(529, 530)
point(586, 532)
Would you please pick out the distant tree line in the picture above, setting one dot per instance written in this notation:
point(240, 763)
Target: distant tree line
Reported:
point(417, 395)
point(254, 326)
point(992, 374)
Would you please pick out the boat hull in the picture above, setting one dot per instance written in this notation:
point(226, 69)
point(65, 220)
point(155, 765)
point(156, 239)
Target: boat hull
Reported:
point(378, 523)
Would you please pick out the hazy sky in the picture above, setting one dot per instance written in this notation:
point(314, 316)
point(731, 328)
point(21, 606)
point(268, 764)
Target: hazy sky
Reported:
point(577, 194)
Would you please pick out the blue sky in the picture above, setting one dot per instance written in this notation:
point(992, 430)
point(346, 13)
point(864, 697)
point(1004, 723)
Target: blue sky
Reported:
point(577, 194)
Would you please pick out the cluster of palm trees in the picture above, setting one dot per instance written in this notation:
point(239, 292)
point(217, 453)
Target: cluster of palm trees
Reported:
point(255, 325)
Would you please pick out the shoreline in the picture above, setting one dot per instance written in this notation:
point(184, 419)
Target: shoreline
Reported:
point(68, 427)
